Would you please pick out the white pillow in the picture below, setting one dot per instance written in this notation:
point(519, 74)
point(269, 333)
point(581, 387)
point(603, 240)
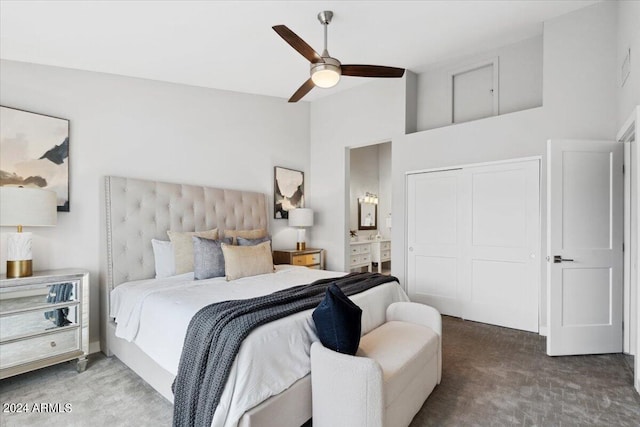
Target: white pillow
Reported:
point(164, 258)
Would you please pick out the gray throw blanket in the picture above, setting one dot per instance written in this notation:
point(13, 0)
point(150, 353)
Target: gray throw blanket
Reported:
point(216, 332)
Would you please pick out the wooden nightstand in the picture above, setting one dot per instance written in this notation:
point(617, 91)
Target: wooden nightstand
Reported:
point(44, 320)
point(311, 258)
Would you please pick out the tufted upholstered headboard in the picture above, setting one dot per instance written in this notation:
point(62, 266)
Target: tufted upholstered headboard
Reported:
point(140, 210)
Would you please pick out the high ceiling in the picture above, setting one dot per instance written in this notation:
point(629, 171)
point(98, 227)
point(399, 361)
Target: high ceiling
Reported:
point(230, 44)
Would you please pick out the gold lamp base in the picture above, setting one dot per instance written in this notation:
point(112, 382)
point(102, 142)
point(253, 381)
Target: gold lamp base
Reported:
point(21, 268)
point(301, 246)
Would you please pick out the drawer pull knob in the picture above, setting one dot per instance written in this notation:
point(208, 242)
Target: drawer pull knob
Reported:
point(53, 343)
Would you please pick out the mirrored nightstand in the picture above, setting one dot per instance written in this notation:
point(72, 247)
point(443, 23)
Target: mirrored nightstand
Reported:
point(44, 320)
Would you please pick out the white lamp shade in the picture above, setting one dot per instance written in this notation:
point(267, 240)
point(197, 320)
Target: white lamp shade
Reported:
point(33, 207)
point(301, 217)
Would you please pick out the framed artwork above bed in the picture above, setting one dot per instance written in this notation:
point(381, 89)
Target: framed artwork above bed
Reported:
point(35, 152)
point(288, 191)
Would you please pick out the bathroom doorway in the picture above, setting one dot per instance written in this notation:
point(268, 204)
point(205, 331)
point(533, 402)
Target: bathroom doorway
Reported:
point(370, 217)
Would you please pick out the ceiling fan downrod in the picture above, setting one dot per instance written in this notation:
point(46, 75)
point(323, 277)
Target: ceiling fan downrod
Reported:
point(325, 19)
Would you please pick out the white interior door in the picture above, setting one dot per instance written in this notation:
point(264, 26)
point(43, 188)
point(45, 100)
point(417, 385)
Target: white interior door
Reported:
point(502, 250)
point(584, 268)
point(434, 255)
point(474, 242)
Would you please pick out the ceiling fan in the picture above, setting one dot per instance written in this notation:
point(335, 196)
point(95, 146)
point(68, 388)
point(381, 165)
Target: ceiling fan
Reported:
point(325, 70)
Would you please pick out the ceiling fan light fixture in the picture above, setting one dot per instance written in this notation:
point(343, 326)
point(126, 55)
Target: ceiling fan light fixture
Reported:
point(325, 78)
point(326, 71)
point(326, 74)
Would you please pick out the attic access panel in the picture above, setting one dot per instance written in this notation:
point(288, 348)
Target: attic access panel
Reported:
point(474, 92)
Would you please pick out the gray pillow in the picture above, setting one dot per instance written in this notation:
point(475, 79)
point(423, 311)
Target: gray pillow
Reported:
point(252, 242)
point(208, 260)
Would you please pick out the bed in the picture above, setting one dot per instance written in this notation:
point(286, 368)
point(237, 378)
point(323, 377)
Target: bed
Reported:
point(269, 384)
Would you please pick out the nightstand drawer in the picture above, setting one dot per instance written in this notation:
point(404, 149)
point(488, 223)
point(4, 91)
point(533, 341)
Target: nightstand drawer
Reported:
point(385, 256)
point(308, 259)
point(31, 297)
point(385, 246)
point(37, 321)
point(29, 350)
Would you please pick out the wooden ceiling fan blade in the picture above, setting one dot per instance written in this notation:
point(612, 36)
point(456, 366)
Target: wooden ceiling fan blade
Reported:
point(371, 71)
point(297, 43)
point(302, 91)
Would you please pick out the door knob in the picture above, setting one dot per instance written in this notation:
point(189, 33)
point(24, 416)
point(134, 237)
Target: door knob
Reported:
point(558, 259)
point(411, 249)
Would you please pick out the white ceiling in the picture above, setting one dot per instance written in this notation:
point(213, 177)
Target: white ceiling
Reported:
point(230, 44)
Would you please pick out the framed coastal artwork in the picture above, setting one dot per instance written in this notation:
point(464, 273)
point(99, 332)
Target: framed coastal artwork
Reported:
point(288, 191)
point(35, 152)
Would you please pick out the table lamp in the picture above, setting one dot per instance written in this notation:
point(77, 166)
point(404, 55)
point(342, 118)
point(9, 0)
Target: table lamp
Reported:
point(301, 218)
point(24, 207)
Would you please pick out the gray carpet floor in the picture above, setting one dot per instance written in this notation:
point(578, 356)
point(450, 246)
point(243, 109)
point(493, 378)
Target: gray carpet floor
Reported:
point(496, 376)
point(492, 376)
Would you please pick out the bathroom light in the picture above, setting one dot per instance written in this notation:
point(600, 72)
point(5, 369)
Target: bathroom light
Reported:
point(369, 198)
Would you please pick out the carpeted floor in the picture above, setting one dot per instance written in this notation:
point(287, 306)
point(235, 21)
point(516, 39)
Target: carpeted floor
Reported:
point(492, 377)
point(496, 376)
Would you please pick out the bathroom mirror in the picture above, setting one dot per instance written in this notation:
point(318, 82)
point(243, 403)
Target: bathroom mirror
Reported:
point(367, 216)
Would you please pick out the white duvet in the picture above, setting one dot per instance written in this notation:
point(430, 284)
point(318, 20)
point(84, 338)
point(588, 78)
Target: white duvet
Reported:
point(155, 313)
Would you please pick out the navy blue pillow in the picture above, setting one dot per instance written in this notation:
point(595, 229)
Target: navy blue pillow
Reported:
point(338, 321)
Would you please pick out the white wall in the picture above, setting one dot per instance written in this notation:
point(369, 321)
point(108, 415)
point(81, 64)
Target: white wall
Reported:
point(364, 115)
point(520, 82)
point(579, 102)
point(628, 38)
point(384, 188)
point(147, 129)
point(579, 79)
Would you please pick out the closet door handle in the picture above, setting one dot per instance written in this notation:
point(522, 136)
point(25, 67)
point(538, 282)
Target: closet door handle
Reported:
point(558, 259)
